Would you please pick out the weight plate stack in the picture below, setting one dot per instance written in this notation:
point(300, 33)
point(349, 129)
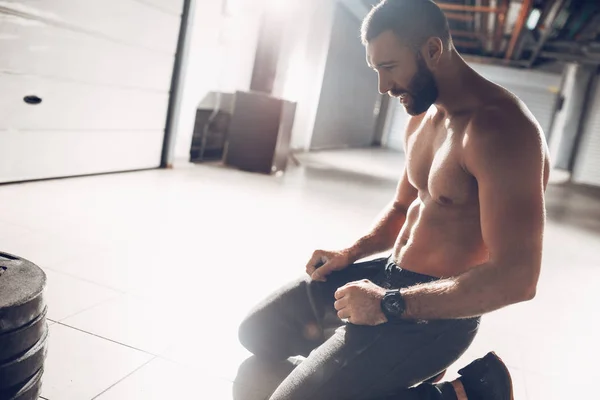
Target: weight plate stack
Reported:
point(23, 328)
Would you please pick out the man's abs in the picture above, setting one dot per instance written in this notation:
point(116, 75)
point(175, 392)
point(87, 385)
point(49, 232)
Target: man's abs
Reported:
point(440, 240)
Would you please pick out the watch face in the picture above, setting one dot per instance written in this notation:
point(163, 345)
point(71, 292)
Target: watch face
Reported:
point(394, 304)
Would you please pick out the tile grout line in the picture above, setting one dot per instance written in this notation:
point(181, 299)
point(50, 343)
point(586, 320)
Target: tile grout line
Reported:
point(125, 377)
point(103, 302)
point(107, 339)
point(54, 270)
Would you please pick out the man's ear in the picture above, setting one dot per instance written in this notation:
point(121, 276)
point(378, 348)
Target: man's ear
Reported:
point(432, 52)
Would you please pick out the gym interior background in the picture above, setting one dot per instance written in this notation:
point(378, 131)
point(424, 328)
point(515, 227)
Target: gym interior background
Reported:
point(252, 133)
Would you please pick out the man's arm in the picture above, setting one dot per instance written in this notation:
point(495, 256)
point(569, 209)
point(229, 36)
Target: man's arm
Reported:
point(380, 238)
point(384, 233)
point(506, 156)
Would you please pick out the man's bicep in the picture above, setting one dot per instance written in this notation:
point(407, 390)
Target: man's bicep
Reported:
point(512, 217)
point(405, 192)
point(509, 173)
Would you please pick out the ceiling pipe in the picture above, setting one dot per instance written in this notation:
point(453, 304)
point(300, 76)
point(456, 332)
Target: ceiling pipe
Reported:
point(574, 45)
point(460, 17)
point(554, 11)
point(459, 7)
point(523, 14)
point(466, 44)
point(465, 34)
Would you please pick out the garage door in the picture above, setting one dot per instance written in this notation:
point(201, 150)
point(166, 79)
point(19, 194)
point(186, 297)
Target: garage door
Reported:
point(587, 160)
point(85, 85)
point(538, 90)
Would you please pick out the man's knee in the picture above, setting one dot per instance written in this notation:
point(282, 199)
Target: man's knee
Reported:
point(248, 333)
point(255, 333)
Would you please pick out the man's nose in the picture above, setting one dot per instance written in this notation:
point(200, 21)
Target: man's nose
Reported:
point(385, 84)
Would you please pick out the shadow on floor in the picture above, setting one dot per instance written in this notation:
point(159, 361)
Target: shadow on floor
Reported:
point(574, 205)
point(257, 379)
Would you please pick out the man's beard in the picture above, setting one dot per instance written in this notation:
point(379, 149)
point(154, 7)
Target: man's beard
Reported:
point(422, 89)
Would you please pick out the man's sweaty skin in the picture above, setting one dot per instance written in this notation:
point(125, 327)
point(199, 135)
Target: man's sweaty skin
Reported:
point(470, 203)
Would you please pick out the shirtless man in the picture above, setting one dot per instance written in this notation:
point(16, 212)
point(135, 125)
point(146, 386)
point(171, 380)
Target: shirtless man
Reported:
point(465, 226)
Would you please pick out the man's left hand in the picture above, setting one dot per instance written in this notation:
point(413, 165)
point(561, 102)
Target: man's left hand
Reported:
point(360, 303)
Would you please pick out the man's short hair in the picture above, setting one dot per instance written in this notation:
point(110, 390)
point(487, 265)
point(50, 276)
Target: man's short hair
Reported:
point(413, 21)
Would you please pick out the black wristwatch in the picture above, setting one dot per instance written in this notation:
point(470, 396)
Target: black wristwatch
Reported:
point(393, 305)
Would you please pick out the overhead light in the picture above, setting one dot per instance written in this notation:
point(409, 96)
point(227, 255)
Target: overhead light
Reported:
point(534, 18)
point(278, 7)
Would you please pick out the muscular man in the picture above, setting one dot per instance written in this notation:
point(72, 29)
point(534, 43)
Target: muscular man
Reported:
point(465, 226)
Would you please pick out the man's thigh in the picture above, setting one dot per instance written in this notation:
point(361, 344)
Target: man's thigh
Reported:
point(360, 362)
point(300, 316)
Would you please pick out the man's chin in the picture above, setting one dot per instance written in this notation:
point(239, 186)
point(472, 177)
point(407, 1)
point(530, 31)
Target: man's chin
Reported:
point(414, 111)
point(411, 111)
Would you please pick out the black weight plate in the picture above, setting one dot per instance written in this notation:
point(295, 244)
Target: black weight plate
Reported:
point(29, 390)
point(20, 340)
point(18, 370)
point(22, 285)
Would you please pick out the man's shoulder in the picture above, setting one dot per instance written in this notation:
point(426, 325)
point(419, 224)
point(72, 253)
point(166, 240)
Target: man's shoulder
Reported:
point(505, 121)
point(503, 135)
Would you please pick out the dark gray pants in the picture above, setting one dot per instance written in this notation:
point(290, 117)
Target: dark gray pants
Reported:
point(351, 362)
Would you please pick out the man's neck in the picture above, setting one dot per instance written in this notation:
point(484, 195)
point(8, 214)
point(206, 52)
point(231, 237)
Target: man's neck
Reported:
point(457, 84)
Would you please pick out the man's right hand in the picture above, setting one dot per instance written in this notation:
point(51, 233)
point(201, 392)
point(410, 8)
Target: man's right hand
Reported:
point(323, 263)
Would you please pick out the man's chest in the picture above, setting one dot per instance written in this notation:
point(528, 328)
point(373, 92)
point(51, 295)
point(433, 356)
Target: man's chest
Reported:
point(435, 164)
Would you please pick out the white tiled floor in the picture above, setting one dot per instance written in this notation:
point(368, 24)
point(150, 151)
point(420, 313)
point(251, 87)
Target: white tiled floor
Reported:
point(145, 273)
point(80, 365)
point(161, 379)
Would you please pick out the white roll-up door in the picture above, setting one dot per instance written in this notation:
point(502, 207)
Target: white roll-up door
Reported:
point(586, 169)
point(102, 70)
point(538, 90)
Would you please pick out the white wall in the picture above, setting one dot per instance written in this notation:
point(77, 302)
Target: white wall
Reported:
point(221, 58)
point(304, 77)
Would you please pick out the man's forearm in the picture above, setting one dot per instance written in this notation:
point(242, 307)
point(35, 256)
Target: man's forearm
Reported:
point(483, 289)
point(383, 235)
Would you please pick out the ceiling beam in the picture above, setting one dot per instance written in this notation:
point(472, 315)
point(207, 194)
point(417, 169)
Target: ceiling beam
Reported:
point(460, 7)
point(460, 16)
point(484, 24)
point(466, 44)
point(523, 14)
point(500, 24)
point(465, 34)
point(554, 11)
point(569, 58)
point(492, 60)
